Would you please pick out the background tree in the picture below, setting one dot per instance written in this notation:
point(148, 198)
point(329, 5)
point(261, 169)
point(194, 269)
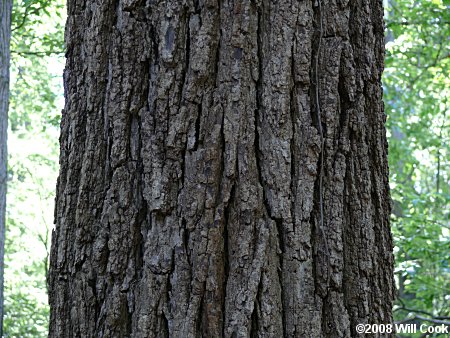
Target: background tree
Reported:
point(223, 171)
point(5, 35)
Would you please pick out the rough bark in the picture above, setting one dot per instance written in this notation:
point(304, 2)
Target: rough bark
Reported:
point(5, 37)
point(223, 171)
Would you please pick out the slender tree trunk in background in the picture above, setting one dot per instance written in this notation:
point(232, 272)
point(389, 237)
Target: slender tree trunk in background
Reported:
point(5, 37)
point(196, 197)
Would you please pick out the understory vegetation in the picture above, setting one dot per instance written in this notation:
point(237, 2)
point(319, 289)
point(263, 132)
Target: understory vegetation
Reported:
point(417, 103)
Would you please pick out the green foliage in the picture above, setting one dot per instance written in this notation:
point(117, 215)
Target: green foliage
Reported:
point(27, 317)
point(417, 92)
point(30, 15)
point(35, 103)
point(37, 35)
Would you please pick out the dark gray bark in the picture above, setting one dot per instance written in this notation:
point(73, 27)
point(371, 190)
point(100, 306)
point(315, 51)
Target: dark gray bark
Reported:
point(223, 171)
point(5, 37)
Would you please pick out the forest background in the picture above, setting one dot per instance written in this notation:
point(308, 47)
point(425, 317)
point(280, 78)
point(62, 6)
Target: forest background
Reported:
point(416, 85)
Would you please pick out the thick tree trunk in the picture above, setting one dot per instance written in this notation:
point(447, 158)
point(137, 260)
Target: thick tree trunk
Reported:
point(5, 37)
point(223, 171)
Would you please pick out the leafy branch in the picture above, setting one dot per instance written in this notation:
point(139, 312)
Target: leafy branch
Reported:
point(29, 11)
point(40, 53)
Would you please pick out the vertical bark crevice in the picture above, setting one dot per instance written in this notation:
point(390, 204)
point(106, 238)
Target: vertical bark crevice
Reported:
point(255, 327)
point(320, 241)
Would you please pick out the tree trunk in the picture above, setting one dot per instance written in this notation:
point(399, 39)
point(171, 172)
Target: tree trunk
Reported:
point(223, 171)
point(5, 37)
